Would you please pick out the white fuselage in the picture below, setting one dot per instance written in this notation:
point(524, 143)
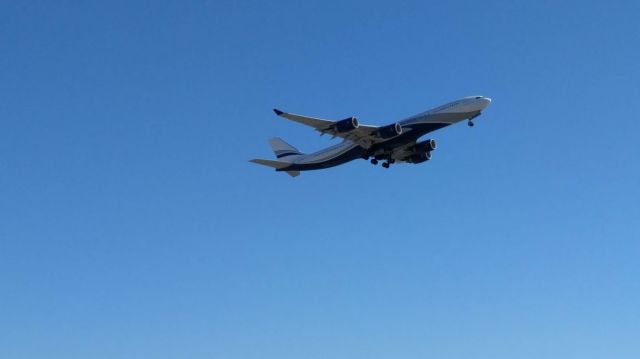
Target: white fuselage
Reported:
point(424, 122)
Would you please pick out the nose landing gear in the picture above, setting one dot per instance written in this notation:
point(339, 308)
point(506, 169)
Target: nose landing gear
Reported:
point(470, 123)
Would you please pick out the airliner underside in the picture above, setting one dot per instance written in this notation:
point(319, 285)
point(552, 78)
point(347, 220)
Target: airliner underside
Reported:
point(394, 143)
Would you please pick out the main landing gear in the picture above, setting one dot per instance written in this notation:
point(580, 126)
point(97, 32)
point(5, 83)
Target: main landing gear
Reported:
point(385, 164)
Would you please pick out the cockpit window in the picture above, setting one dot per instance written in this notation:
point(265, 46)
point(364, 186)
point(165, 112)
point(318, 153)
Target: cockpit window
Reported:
point(477, 97)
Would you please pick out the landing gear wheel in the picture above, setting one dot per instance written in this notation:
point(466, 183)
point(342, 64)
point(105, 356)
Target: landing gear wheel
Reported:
point(470, 123)
point(385, 165)
point(374, 162)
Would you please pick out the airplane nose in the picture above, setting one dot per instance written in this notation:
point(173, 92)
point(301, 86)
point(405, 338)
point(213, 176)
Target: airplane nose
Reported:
point(486, 102)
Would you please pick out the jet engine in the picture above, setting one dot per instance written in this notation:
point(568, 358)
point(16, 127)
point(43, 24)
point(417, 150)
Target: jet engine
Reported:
point(426, 146)
point(420, 157)
point(346, 125)
point(390, 131)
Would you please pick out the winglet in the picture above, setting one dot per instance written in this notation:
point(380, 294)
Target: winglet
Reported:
point(278, 112)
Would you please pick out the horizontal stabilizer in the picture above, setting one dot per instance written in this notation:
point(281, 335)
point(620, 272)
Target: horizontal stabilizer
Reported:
point(271, 163)
point(277, 165)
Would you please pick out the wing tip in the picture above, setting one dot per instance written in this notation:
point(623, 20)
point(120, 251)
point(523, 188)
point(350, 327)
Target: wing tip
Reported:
point(278, 112)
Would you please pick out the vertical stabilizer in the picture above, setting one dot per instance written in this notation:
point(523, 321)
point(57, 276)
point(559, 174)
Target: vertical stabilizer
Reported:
point(283, 150)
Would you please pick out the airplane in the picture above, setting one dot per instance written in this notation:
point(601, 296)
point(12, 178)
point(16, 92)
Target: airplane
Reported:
point(394, 143)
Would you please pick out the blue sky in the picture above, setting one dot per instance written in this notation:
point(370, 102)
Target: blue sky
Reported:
point(132, 225)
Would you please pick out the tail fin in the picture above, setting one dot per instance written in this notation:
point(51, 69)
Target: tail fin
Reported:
point(277, 165)
point(283, 150)
point(285, 154)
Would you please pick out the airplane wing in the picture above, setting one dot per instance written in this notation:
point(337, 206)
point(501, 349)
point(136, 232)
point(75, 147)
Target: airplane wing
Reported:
point(364, 135)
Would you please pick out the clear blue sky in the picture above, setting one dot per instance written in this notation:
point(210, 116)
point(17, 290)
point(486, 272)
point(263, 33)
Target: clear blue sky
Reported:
point(132, 225)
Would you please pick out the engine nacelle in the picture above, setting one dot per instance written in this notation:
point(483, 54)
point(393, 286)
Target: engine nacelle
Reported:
point(426, 146)
point(420, 157)
point(346, 125)
point(390, 131)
